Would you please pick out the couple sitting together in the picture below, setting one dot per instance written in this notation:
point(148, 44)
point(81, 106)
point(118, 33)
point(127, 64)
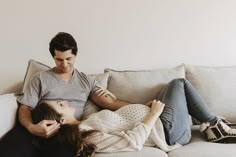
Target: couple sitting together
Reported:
point(52, 105)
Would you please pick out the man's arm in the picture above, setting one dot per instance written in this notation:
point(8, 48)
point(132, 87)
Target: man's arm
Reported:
point(25, 116)
point(107, 100)
point(45, 128)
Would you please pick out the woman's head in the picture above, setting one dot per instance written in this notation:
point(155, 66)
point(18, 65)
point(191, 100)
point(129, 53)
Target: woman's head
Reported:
point(60, 111)
point(69, 134)
point(45, 112)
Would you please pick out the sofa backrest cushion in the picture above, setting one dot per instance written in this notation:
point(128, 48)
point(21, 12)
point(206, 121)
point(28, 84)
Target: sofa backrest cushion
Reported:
point(8, 108)
point(217, 86)
point(141, 86)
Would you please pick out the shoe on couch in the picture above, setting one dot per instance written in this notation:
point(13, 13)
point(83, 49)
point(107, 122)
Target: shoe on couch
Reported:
point(222, 131)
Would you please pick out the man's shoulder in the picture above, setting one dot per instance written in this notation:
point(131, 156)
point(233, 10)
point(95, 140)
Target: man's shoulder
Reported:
point(43, 73)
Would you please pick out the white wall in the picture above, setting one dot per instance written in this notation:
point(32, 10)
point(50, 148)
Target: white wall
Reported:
point(118, 34)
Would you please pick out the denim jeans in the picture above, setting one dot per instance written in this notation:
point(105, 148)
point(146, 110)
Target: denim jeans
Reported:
point(181, 100)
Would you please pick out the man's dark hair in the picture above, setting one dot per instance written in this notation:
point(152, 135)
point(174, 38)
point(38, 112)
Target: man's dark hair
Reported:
point(63, 42)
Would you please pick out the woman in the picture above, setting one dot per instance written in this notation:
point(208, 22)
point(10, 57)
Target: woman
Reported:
point(165, 125)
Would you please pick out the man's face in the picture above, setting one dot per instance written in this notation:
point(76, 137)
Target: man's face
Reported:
point(64, 61)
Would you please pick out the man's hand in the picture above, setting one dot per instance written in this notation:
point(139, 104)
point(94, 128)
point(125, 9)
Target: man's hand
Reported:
point(106, 99)
point(104, 92)
point(45, 128)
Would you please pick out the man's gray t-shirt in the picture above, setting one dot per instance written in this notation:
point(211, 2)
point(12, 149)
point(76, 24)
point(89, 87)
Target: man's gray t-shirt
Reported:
point(47, 85)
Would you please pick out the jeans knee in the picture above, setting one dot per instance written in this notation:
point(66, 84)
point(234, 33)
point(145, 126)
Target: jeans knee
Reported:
point(178, 81)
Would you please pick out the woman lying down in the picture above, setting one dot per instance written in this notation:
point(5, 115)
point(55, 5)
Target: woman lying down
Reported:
point(131, 127)
point(126, 129)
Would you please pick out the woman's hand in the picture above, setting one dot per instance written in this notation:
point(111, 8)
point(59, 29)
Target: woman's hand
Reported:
point(155, 111)
point(149, 103)
point(157, 107)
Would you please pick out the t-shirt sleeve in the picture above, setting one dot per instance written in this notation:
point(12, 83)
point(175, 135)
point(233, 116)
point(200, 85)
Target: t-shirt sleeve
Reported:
point(131, 140)
point(32, 94)
point(93, 84)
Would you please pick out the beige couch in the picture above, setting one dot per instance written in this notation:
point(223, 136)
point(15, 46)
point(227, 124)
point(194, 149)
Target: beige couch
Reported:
point(216, 84)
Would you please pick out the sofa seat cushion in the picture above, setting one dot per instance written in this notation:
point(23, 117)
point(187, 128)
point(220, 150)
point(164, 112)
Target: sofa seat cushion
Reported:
point(205, 149)
point(217, 86)
point(141, 86)
point(200, 147)
point(145, 152)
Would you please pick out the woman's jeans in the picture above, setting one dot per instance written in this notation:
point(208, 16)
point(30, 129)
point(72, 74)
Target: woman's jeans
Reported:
point(182, 99)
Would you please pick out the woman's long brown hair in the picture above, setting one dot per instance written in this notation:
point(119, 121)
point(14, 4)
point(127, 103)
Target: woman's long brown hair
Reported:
point(69, 135)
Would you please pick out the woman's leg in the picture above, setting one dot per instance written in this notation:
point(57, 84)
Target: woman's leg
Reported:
point(182, 99)
point(197, 107)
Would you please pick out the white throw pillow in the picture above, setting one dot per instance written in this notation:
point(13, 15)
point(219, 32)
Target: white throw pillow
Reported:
point(8, 108)
point(141, 86)
point(217, 86)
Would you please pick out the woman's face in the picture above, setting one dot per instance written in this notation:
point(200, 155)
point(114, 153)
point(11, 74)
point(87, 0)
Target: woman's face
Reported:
point(63, 108)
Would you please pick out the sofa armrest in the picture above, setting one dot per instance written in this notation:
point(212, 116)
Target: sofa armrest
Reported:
point(8, 109)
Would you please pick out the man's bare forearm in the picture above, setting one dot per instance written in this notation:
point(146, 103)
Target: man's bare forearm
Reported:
point(118, 104)
point(25, 116)
point(108, 102)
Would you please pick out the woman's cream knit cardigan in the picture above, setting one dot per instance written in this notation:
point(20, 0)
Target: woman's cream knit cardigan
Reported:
point(123, 130)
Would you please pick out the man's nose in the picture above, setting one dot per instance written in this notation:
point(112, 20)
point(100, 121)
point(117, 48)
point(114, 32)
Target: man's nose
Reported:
point(64, 63)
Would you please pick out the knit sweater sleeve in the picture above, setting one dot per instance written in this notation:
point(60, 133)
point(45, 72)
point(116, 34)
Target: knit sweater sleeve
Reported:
point(130, 140)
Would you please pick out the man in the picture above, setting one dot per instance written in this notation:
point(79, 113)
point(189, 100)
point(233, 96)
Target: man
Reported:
point(63, 82)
